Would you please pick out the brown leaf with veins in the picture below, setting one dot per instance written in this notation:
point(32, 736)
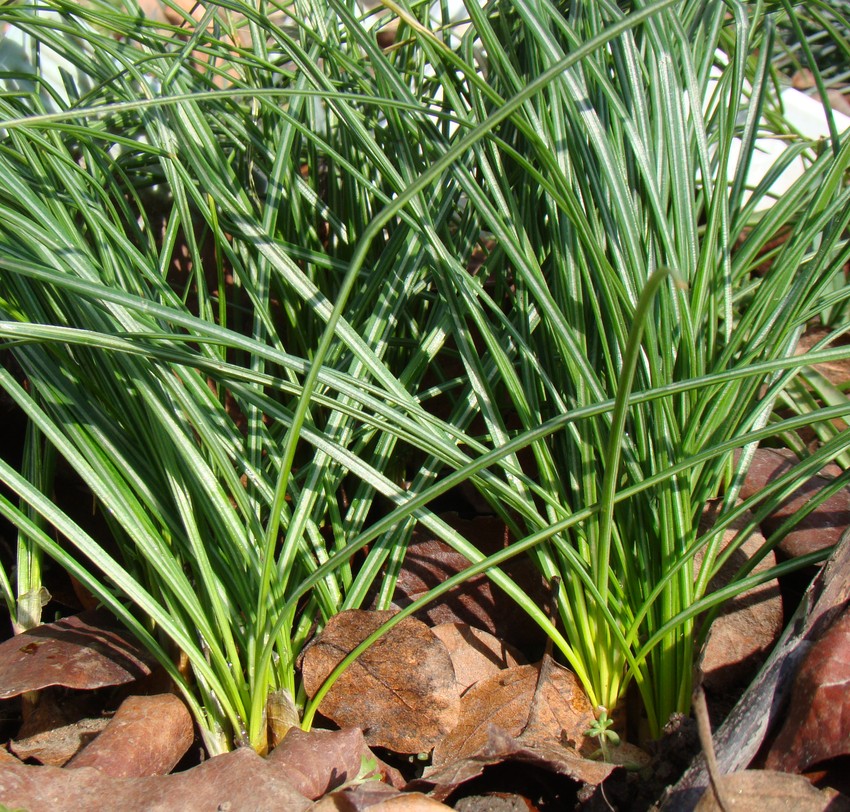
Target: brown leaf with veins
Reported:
point(401, 691)
point(79, 652)
point(475, 654)
point(818, 723)
point(541, 702)
point(535, 714)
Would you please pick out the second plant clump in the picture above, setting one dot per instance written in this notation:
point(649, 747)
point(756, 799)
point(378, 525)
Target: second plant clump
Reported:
point(273, 289)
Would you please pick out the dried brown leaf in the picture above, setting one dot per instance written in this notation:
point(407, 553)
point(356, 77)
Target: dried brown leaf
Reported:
point(557, 707)
point(355, 799)
point(376, 797)
point(401, 691)
point(820, 529)
point(80, 652)
point(407, 802)
point(536, 714)
point(475, 654)
point(562, 760)
point(758, 790)
point(817, 726)
point(240, 780)
point(147, 736)
point(282, 715)
point(7, 758)
point(55, 745)
point(499, 746)
point(319, 761)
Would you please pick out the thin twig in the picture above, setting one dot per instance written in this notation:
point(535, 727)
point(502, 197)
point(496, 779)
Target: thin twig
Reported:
point(707, 743)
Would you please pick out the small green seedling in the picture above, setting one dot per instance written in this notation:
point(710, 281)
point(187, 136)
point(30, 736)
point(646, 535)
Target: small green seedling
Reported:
point(601, 730)
point(369, 771)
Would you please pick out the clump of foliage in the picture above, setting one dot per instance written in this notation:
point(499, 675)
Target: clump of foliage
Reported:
point(524, 257)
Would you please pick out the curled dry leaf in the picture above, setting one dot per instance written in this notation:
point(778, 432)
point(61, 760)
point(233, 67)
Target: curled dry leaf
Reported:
point(401, 691)
point(319, 761)
point(499, 747)
point(544, 703)
point(537, 714)
point(817, 726)
point(80, 652)
point(57, 725)
point(475, 654)
point(147, 736)
point(758, 790)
